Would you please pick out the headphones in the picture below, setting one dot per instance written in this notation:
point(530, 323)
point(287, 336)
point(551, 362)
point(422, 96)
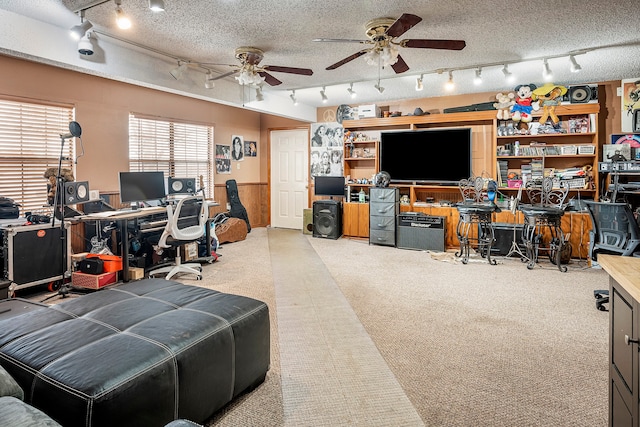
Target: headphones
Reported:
point(38, 219)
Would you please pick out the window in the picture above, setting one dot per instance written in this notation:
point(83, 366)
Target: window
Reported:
point(181, 150)
point(30, 143)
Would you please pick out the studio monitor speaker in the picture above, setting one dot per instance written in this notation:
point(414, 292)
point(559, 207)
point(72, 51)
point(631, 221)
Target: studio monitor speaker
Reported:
point(181, 185)
point(327, 219)
point(76, 192)
point(582, 94)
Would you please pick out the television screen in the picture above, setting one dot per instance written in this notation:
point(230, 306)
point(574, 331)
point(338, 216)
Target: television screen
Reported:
point(435, 156)
point(141, 186)
point(329, 185)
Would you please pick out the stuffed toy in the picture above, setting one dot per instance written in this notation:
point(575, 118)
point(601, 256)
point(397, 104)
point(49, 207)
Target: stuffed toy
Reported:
point(52, 174)
point(521, 110)
point(504, 104)
point(549, 96)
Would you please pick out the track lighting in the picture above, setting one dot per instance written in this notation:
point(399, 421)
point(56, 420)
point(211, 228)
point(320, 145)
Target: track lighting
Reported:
point(208, 80)
point(546, 71)
point(122, 19)
point(85, 47)
point(419, 85)
point(380, 88)
point(259, 96)
point(293, 97)
point(351, 91)
point(177, 72)
point(508, 75)
point(450, 85)
point(575, 67)
point(323, 95)
point(78, 31)
point(477, 80)
point(156, 5)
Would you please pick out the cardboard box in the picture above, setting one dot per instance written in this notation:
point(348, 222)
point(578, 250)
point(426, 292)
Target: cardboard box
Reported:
point(93, 281)
point(368, 111)
point(136, 273)
point(189, 251)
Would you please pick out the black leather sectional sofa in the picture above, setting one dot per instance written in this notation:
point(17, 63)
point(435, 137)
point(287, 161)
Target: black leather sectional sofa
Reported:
point(139, 354)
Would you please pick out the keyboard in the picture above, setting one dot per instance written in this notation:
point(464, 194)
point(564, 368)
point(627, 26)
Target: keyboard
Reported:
point(109, 214)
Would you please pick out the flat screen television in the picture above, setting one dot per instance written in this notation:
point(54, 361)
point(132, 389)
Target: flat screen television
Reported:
point(141, 186)
point(329, 186)
point(435, 156)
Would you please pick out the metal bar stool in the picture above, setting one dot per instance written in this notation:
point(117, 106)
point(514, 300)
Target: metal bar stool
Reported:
point(475, 212)
point(544, 212)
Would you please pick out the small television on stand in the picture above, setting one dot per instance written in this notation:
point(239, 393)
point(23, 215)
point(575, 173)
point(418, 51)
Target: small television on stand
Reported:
point(331, 186)
point(136, 188)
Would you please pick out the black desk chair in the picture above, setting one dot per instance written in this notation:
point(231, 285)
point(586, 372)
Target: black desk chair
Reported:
point(614, 231)
point(542, 222)
point(176, 234)
point(474, 213)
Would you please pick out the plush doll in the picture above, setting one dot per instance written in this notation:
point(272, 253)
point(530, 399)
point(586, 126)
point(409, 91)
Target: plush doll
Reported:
point(52, 174)
point(525, 104)
point(549, 96)
point(505, 101)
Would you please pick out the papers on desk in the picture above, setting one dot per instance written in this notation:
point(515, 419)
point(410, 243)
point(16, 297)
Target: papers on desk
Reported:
point(105, 214)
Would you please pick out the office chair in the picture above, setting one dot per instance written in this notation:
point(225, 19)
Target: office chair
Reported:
point(175, 235)
point(614, 231)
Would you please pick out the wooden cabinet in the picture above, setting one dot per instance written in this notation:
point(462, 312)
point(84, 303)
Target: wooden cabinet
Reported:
point(624, 334)
point(355, 219)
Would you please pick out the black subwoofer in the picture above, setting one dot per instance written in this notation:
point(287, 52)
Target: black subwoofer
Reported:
point(327, 219)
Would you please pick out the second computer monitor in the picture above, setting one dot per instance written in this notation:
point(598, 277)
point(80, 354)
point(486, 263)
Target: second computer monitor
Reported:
point(141, 186)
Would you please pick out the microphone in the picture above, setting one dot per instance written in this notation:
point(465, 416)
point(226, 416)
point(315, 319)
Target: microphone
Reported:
point(74, 130)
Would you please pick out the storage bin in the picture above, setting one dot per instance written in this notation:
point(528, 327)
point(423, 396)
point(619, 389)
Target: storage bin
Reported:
point(111, 262)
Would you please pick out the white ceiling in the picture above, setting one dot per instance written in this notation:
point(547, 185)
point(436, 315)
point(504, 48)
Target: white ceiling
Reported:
point(208, 31)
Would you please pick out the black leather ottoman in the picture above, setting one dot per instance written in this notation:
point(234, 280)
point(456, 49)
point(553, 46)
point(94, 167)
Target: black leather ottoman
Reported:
point(139, 354)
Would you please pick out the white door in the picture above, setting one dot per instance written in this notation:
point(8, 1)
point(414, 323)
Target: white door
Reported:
point(289, 177)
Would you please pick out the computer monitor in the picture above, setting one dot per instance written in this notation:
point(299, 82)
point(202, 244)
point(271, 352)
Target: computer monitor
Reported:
point(141, 186)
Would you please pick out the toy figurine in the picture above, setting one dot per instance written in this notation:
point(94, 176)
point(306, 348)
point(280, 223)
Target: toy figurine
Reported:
point(505, 101)
point(549, 96)
point(524, 103)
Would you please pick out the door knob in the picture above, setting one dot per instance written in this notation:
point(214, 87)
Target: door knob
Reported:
point(628, 340)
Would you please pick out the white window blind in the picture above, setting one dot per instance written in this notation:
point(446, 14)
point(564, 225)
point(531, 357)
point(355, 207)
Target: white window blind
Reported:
point(181, 150)
point(29, 144)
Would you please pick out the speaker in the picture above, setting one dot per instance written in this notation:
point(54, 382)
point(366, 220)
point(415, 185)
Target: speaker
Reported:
point(327, 219)
point(307, 221)
point(422, 232)
point(76, 192)
point(582, 94)
point(182, 185)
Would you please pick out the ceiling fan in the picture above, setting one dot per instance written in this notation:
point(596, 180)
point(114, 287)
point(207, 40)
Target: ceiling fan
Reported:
point(250, 72)
point(382, 32)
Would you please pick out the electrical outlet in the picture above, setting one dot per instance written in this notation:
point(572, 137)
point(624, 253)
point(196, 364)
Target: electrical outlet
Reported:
point(619, 91)
point(228, 206)
point(238, 166)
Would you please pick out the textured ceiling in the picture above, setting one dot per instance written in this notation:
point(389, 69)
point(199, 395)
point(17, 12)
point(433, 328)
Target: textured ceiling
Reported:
point(208, 31)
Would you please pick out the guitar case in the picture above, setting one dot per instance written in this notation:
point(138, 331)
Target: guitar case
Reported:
point(237, 210)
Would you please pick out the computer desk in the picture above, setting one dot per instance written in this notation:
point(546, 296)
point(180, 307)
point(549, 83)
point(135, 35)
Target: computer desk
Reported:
point(122, 218)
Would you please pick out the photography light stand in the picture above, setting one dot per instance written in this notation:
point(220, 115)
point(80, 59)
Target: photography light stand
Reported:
point(515, 248)
point(59, 204)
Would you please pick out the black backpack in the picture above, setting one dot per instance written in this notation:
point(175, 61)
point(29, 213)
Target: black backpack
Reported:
point(8, 208)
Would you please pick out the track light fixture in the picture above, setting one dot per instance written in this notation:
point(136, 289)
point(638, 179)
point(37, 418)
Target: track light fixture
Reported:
point(419, 85)
point(323, 95)
point(450, 85)
point(377, 86)
point(477, 80)
point(293, 97)
point(546, 71)
point(177, 72)
point(85, 47)
point(208, 80)
point(508, 75)
point(122, 19)
point(78, 31)
point(259, 96)
point(575, 67)
point(156, 5)
point(351, 91)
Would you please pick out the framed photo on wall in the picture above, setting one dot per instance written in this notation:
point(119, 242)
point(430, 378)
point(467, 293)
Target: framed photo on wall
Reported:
point(630, 103)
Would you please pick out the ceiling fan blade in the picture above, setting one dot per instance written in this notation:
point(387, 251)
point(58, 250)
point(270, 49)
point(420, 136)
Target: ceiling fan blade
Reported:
point(291, 70)
point(403, 24)
point(400, 66)
point(347, 59)
point(222, 76)
point(434, 44)
point(342, 40)
point(272, 81)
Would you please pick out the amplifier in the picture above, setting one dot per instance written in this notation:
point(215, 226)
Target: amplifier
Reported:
point(422, 232)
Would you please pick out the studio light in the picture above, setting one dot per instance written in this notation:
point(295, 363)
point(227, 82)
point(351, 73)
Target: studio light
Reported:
point(293, 97)
point(419, 85)
point(380, 88)
point(156, 5)
point(575, 67)
point(78, 31)
point(450, 85)
point(85, 47)
point(259, 96)
point(323, 95)
point(122, 19)
point(477, 80)
point(508, 75)
point(208, 80)
point(351, 91)
point(546, 71)
point(177, 72)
